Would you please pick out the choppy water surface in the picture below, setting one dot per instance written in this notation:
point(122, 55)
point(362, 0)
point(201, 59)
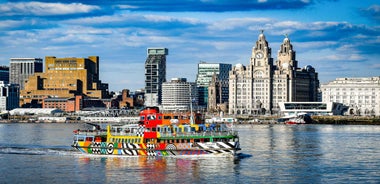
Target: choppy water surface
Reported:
point(41, 153)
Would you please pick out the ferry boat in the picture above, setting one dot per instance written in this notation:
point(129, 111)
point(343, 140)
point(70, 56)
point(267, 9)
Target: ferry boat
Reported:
point(154, 136)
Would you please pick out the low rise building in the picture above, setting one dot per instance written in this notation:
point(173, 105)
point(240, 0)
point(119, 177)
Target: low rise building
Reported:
point(361, 95)
point(312, 108)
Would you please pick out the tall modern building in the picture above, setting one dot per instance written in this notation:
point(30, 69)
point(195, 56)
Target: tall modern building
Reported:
point(178, 94)
point(155, 75)
point(206, 71)
point(4, 74)
point(22, 68)
point(64, 78)
point(259, 87)
point(360, 95)
point(9, 96)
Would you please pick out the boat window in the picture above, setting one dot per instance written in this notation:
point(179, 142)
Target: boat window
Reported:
point(80, 138)
point(167, 117)
point(142, 118)
point(151, 117)
point(175, 117)
point(89, 139)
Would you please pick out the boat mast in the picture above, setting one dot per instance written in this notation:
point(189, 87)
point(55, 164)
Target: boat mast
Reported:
point(191, 106)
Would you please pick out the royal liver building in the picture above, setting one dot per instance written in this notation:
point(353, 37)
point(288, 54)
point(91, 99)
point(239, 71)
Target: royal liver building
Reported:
point(257, 88)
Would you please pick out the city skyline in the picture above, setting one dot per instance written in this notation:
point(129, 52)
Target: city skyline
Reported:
point(338, 38)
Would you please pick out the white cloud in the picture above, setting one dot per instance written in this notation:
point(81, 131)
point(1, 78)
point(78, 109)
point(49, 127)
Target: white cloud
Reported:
point(43, 9)
point(233, 23)
point(124, 6)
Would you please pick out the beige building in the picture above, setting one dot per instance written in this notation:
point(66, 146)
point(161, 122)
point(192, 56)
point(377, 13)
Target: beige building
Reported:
point(361, 95)
point(64, 78)
point(259, 87)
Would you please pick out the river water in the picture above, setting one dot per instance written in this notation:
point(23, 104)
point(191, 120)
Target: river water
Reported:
point(41, 153)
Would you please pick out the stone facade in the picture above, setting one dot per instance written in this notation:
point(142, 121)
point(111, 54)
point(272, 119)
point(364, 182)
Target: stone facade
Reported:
point(259, 87)
point(359, 94)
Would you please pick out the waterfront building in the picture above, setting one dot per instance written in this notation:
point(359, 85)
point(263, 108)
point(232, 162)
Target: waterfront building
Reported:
point(9, 96)
point(155, 75)
point(361, 94)
point(4, 74)
point(125, 100)
point(65, 104)
point(205, 74)
point(22, 68)
point(312, 108)
point(64, 78)
point(217, 95)
point(178, 94)
point(259, 87)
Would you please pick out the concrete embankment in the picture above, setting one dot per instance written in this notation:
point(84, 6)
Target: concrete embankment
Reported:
point(346, 120)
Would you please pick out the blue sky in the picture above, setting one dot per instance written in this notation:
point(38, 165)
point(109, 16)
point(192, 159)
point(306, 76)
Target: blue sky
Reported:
point(340, 38)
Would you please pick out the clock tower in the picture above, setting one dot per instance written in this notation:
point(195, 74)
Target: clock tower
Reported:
point(286, 57)
point(261, 73)
point(261, 53)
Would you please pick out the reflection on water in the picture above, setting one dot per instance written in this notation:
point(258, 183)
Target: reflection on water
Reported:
point(41, 153)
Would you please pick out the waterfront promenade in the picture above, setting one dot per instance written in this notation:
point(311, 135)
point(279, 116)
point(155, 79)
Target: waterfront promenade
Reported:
point(338, 120)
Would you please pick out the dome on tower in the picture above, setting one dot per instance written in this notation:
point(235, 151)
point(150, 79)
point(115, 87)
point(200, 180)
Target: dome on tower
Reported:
point(239, 66)
point(309, 68)
point(261, 35)
point(286, 39)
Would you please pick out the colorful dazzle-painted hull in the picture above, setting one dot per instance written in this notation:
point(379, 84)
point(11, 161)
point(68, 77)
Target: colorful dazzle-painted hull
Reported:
point(175, 149)
point(155, 135)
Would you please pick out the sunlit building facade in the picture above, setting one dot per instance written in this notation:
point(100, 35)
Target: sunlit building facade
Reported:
point(361, 95)
point(259, 87)
point(64, 78)
point(178, 94)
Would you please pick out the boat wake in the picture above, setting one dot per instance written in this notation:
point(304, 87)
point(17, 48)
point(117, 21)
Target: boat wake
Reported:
point(20, 150)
